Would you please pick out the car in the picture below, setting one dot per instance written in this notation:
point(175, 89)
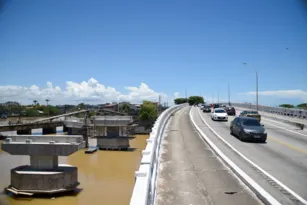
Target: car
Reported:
point(223, 106)
point(215, 106)
point(206, 108)
point(230, 110)
point(250, 113)
point(247, 128)
point(219, 114)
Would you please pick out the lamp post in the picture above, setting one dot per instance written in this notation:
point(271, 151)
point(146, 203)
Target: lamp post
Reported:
point(47, 100)
point(256, 86)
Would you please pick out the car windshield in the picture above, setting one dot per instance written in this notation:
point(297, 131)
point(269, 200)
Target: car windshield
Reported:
point(250, 122)
point(219, 111)
point(252, 112)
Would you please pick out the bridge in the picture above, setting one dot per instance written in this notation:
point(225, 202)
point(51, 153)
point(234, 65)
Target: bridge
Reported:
point(190, 159)
point(48, 124)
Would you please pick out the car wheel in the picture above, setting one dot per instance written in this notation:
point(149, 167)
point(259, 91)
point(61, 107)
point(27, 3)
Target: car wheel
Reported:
point(231, 132)
point(240, 136)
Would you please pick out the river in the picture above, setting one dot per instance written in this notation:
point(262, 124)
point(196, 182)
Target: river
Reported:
point(106, 177)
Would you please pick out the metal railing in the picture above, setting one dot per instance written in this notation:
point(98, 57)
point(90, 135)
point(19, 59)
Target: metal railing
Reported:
point(145, 178)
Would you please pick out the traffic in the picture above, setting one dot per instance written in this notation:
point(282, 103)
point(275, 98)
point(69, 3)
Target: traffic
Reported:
point(272, 152)
point(246, 126)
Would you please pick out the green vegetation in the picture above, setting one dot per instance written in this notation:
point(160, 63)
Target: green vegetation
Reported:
point(15, 109)
point(125, 108)
point(148, 113)
point(286, 105)
point(178, 101)
point(302, 106)
point(194, 100)
point(299, 106)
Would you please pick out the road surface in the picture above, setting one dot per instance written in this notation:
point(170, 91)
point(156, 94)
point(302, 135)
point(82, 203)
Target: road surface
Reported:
point(284, 156)
point(190, 173)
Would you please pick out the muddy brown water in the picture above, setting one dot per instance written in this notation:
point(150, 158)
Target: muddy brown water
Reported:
point(106, 177)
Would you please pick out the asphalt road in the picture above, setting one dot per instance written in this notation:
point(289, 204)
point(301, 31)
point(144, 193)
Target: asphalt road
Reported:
point(191, 174)
point(284, 156)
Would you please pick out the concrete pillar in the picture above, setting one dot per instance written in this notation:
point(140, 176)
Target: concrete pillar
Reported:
point(65, 129)
point(49, 130)
point(24, 132)
point(44, 162)
point(124, 132)
point(105, 131)
point(120, 133)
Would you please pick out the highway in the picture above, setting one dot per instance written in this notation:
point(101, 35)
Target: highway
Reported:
point(191, 173)
point(284, 156)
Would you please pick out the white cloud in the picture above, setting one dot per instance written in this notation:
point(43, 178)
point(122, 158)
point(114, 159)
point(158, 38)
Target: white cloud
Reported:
point(176, 95)
point(290, 94)
point(90, 91)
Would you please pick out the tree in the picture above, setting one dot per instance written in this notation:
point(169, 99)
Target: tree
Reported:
point(35, 102)
point(194, 100)
point(124, 108)
point(81, 106)
point(32, 112)
point(286, 105)
point(302, 106)
point(148, 113)
point(178, 101)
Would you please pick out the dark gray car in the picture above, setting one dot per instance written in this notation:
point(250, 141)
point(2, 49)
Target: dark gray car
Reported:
point(247, 128)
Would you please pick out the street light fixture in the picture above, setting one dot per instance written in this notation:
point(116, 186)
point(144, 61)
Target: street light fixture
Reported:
point(256, 86)
point(47, 100)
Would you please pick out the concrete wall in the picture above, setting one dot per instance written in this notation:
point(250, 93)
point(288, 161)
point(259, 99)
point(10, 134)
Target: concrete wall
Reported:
point(24, 178)
point(112, 143)
point(42, 138)
point(41, 149)
point(44, 162)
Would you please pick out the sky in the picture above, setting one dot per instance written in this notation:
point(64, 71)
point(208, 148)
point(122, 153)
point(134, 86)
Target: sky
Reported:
point(102, 51)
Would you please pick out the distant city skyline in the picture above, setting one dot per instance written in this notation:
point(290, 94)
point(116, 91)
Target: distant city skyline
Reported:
point(106, 51)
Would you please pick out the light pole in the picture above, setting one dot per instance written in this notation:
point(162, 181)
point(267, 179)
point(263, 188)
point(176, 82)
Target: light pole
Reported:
point(228, 95)
point(47, 100)
point(256, 86)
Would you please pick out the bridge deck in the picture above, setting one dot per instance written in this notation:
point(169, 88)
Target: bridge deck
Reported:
point(190, 173)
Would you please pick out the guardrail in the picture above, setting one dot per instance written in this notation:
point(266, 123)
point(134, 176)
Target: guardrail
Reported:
point(145, 178)
point(292, 112)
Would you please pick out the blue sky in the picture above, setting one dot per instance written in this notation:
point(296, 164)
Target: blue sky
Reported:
point(167, 45)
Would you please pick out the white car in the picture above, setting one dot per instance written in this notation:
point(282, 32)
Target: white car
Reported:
point(219, 114)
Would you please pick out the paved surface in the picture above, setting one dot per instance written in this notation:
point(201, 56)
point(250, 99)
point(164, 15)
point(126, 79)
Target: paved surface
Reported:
point(284, 156)
point(191, 174)
point(274, 115)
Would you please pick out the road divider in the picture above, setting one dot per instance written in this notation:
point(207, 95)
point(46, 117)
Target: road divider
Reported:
point(261, 193)
point(145, 178)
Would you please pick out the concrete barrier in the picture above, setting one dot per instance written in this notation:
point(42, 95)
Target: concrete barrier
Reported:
point(299, 123)
point(145, 178)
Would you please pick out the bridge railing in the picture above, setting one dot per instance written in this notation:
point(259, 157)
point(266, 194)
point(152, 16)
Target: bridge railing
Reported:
point(292, 112)
point(145, 178)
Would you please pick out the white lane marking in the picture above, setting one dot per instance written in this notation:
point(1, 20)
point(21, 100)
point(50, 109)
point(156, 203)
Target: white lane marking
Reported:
point(264, 195)
point(252, 163)
point(285, 128)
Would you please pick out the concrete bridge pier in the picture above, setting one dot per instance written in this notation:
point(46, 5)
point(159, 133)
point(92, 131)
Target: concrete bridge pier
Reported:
point(65, 129)
point(44, 175)
point(75, 131)
point(49, 130)
point(24, 132)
